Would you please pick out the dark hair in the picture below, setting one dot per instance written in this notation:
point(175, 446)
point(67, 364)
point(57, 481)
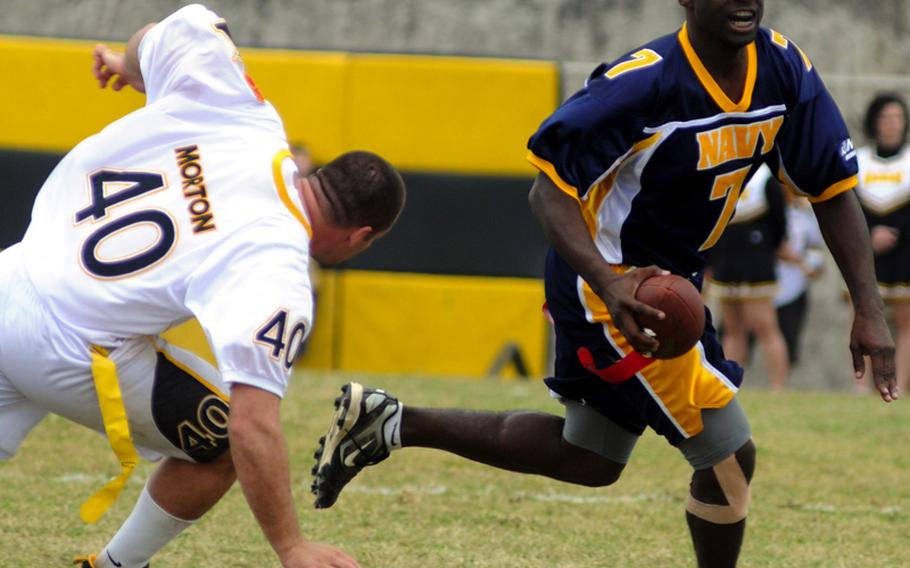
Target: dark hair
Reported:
point(363, 190)
point(875, 108)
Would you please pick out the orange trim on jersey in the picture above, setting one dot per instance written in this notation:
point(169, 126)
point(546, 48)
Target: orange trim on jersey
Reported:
point(836, 189)
point(254, 87)
point(283, 190)
point(195, 375)
point(683, 386)
point(550, 171)
point(710, 85)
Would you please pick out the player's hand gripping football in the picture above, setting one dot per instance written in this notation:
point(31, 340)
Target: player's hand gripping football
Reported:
point(618, 293)
point(109, 64)
point(870, 336)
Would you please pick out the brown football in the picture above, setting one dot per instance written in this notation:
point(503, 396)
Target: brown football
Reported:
point(680, 301)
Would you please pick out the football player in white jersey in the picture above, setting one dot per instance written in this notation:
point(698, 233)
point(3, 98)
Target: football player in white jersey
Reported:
point(191, 206)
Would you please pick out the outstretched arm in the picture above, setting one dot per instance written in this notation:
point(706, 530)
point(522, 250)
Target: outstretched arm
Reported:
point(261, 461)
point(561, 219)
point(123, 67)
point(844, 229)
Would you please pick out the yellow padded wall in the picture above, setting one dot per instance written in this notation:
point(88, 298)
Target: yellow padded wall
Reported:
point(438, 325)
point(50, 100)
point(453, 114)
point(426, 113)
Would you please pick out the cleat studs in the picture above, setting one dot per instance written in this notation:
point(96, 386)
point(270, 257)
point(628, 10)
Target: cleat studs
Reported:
point(321, 440)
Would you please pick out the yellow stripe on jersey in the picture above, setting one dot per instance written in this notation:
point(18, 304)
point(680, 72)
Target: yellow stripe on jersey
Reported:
point(113, 414)
point(283, 190)
point(596, 195)
point(779, 39)
point(710, 85)
point(835, 190)
point(784, 178)
point(550, 171)
point(595, 199)
point(806, 61)
point(640, 59)
point(682, 387)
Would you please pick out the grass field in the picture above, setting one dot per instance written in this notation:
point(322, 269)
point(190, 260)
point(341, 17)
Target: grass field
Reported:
point(832, 489)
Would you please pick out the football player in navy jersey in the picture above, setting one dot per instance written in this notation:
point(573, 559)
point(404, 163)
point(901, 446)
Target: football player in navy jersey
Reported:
point(640, 174)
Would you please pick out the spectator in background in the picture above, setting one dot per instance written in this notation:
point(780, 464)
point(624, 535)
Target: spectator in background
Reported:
point(884, 192)
point(800, 259)
point(743, 276)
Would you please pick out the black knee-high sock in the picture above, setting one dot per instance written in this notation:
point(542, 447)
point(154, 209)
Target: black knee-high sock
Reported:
point(716, 546)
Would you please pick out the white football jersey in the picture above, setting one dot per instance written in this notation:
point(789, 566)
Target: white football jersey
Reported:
point(884, 183)
point(185, 207)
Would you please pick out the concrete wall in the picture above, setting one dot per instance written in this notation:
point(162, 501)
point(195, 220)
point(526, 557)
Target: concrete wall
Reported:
point(859, 47)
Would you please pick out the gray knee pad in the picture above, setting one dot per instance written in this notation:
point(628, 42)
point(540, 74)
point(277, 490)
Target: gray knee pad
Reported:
point(720, 494)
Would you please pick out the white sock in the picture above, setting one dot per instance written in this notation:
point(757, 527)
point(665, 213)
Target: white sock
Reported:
point(146, 531)
point(391, 430)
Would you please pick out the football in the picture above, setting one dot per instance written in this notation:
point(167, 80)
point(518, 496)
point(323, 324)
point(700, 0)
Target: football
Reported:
point(685, 314)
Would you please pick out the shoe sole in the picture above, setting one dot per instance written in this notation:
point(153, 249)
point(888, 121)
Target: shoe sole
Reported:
point(347, 411)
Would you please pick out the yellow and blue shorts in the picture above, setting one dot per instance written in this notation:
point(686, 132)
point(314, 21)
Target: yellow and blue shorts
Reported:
point(668, 395)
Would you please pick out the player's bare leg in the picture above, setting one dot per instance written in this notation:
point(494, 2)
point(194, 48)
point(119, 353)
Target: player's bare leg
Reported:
point(178, 493)
point(188, 490)
point(717, 508)
point(520, 441)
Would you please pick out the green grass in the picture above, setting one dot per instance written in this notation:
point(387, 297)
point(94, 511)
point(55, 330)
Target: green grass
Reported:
point(832, 489)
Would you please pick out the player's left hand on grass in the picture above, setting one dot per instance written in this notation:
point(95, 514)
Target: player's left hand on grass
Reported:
point(870, 336)
point(109, 64)
point(316, 555)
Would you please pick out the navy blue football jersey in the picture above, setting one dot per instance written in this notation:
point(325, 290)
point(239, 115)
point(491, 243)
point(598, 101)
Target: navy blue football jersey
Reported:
point(658, 155)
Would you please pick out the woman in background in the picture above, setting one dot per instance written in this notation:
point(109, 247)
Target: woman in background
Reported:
point(884, 191)
point(743, 276)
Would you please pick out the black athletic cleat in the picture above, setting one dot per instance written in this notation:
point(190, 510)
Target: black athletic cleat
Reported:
point(354, 440)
